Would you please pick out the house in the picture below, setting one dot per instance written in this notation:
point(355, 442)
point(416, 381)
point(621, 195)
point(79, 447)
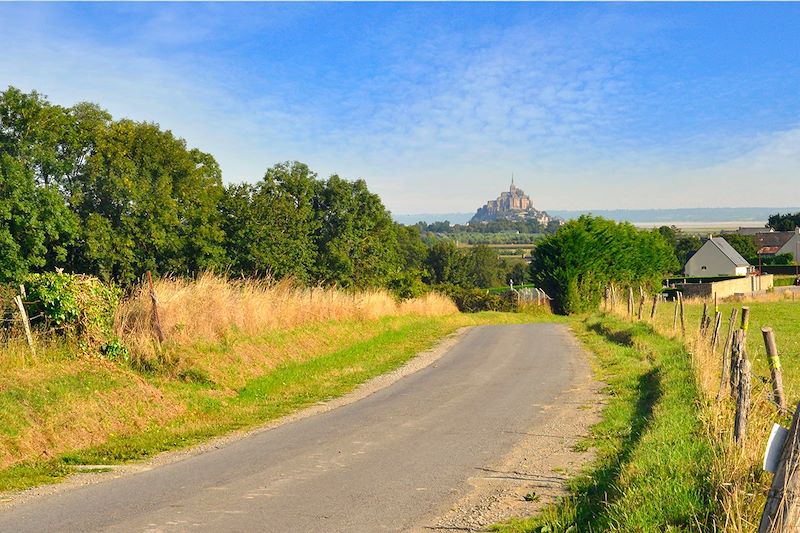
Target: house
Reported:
point(779, 242)
point(717, 258)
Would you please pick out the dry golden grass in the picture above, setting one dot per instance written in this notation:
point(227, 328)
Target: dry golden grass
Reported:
point(212, 306)
point(739, 483)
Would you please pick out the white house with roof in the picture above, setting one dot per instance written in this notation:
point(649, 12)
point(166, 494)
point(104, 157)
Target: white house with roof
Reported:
point(717, 258)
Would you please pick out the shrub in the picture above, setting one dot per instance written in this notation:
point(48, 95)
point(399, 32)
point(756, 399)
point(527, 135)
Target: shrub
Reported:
point(76, 306)
point(475, 300)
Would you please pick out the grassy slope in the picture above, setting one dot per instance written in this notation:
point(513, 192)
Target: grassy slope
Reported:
point(60, 411)
point(653, 459)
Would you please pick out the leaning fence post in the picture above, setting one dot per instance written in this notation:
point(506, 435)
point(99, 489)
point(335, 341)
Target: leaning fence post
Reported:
point(26, 323)
point(774, 367)
point(781, 512)
point(715, 335)
point(641, 301)
point(156, 322)
point(742, 403)
point(703, 319)
point(725, 377)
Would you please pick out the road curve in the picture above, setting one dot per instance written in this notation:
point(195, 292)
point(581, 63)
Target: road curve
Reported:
point(394, 460)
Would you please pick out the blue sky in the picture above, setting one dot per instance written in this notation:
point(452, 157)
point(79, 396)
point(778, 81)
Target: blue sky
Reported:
point(591, 106)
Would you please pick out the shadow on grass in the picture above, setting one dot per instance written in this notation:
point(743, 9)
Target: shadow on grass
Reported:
point(619, 337)
point(596, 493)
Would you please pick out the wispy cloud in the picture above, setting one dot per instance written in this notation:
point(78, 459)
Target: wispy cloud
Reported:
point(434, 104)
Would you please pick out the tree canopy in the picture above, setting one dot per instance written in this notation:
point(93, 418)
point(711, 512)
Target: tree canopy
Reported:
point(577, 263)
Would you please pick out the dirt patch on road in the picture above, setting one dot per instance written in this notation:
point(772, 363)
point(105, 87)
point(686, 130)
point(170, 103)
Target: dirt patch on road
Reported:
point(535, 472)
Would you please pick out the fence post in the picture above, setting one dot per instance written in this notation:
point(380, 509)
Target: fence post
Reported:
point(653, 310)
point(742, 403)
point(745, 318)
point(156, 322)
point(736, 361)
point(715, 335)
point(641, 301)
point(683, 319)
point(26, 323)
point(703, 319)
point(675, 313)
point(781, 513)
point(774, 367)
point(630, 303)
point(726, 359)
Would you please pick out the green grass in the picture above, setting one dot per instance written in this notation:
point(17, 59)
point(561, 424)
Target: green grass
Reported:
point(651, 471)
point(784, 281)
point(289, 387)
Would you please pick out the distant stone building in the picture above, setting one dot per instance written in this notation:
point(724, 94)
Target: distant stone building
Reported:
point(513, 204)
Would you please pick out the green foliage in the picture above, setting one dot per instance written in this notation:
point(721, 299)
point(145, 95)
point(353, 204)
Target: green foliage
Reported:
point(76, 306)
point(743, 244)
point(576, 264)
point(787, 222)
point(472, 300)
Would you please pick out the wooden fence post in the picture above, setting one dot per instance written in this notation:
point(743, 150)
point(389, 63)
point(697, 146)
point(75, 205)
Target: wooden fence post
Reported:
point(675, 313)
point(26, 323)
point(781, 512)
point(156, 321)
point(703, 319)
point(736, 362)
point(774, 367)
point(715, 335)
point(742, 403)
point(683, 319)
point(641, 301)
point(726, 351)
point(745, 318)
point(653, 310)
point(630, 303)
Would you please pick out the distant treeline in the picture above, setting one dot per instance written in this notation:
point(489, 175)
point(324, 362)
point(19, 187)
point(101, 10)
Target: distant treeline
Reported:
point(89, 194)
point(496, 226)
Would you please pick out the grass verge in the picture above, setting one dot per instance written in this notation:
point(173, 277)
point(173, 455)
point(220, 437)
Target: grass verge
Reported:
point(110, 414)
point(652, 469)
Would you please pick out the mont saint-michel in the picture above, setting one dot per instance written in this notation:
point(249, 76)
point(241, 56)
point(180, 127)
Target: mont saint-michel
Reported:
point(512, 204)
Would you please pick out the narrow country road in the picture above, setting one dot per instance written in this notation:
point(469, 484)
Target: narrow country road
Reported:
point(394, 460)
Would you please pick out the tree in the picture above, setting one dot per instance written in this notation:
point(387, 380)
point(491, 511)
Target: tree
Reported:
point(357, 241)
point(446, 264)
point(576, 264)
point(743, 244)
point(787, 222)
point(483, 267)
point(36, 227)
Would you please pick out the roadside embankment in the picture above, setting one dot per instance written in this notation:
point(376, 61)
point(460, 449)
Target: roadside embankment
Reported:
point(236, 356)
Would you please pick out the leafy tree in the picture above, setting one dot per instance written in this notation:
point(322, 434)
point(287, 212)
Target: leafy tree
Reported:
point(36, 227)
point(743, 244)
point(787, 222)
point(446, 264)
point(483, 267)
point(357, 241)
point(576, 264)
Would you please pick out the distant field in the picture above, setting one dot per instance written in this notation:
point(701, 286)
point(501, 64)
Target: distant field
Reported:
point(504, 237)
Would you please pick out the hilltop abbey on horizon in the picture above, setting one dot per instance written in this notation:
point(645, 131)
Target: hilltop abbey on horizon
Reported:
point(514, 205)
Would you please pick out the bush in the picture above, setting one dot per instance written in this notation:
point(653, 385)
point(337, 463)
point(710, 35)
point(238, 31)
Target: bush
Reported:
point(576, 264)
point(75, 306)
point(475, 300)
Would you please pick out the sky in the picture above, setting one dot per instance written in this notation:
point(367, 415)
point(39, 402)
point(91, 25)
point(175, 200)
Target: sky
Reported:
point(590, 106)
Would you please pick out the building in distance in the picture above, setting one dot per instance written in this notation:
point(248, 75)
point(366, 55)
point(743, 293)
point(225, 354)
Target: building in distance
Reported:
point(513, 205)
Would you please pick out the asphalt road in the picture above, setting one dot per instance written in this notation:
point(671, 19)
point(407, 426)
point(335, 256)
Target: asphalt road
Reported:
point(394, 460)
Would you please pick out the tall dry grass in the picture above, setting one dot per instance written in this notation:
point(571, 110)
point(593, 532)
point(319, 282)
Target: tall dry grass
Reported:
point(212, 306)
point(738, 482)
